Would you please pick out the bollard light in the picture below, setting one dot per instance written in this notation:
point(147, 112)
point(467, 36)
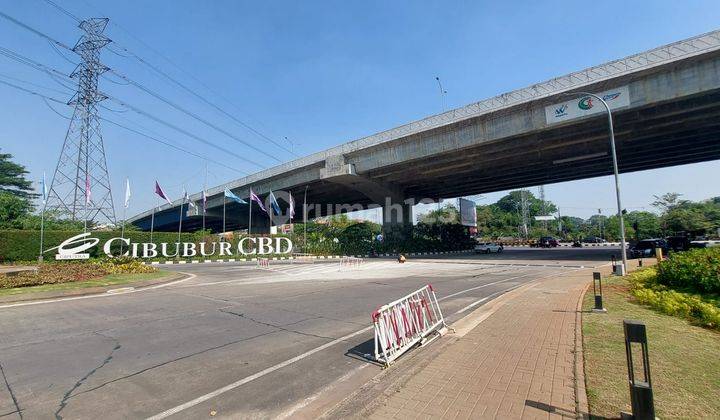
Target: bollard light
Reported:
point(641, 394)
point(639, 262)
point(659, 254)
point(597, 291)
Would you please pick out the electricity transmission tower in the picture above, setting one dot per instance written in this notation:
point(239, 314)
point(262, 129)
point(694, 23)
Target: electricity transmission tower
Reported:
point(80, 187)
point(543, 210)
point(524, 211)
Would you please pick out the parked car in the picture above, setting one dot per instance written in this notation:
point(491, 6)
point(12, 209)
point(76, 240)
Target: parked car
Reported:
point(678, 243)
point(548, 242)
point(594, 240)
point(646, 248)
point(704, 244)
point(488, 247)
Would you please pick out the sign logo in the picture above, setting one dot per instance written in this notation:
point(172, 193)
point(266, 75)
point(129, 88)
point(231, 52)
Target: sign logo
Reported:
point(66, 252)
point(583, 106)
point(585, 103)
point(561, 110)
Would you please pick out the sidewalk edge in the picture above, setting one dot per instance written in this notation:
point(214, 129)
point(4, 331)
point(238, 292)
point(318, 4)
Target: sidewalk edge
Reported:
point(582, 409)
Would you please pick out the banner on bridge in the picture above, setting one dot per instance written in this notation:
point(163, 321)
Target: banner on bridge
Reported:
point(587, 105)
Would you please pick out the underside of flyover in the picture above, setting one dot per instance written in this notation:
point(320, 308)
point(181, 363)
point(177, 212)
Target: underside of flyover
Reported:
point(677, 132)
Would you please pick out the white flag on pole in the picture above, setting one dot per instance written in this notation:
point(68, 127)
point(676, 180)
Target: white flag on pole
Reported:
point(127, 192)
point(186, 197)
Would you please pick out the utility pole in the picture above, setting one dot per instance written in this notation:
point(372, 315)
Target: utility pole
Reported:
point(82, 163)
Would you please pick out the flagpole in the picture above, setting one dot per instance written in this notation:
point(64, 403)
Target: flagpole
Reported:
point(152, 220)
point(122, 230)
point(42, 219)
point(182, 203)
point(125, 205)
point(42, 232)
point(224, 200)
point(204, 194)
point(249, 211)
point(305, 220)
point(85, 218)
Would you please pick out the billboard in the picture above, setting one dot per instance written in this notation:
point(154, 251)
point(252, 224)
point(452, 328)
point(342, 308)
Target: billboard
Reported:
point(468, 213)
point(583, 106)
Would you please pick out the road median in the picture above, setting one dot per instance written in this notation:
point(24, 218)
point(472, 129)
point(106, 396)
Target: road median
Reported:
point(101, 285)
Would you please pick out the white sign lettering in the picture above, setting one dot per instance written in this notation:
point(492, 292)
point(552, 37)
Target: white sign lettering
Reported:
point(72, 248)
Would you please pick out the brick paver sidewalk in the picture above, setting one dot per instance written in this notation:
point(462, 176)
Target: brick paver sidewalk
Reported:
point(520, 362)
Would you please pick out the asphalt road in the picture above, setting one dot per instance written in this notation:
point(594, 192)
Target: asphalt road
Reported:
point(233, 339)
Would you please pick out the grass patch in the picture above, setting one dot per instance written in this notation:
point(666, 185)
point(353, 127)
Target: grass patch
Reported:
point(684, 365)
point(108, 280)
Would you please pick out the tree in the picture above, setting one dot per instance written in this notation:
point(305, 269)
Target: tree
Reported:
point(444, 215)
point(648, 225)
point(667, 201)
point(13, 209)
point(12, 178)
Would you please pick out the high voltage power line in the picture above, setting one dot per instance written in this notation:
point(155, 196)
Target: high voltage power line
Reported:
point(173, 80)
point(54, 72)
point(51, 71)
point(156, 139)
point(149, 91)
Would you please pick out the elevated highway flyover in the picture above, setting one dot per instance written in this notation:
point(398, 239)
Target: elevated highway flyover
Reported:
point(666, 108)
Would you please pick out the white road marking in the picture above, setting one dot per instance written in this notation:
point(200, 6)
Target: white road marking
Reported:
point(251, 378)
point(477, 302)
point(119, 290)
point(99, 295)
point(304, 403)
point(243, 381)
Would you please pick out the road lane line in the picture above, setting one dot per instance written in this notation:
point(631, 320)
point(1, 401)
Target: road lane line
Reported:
point(99, 295)
point(236, 384)
point(251, 378)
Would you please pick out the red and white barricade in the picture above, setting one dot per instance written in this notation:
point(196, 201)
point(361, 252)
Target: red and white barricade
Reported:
point(351, 262)
point(401, 324)
point(263, 262)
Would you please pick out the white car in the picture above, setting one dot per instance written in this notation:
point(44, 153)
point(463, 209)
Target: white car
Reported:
point(488, 247)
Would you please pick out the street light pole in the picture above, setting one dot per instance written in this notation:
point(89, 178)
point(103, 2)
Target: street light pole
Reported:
point(617, 177)
point(442, 92)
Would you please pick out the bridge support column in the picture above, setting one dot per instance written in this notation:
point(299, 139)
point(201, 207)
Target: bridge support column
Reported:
point(397, 218)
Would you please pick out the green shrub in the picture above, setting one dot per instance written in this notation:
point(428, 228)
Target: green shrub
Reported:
point(51, 273)
point(124, 265)
point(696, 270)
point(647, 290)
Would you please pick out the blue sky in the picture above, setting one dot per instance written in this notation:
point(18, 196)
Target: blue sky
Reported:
point(322, 74)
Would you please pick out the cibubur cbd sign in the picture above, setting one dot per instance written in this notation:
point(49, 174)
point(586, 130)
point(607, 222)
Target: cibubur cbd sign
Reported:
point(75, 248)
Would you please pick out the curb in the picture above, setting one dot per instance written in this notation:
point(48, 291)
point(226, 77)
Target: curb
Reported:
point(582, 408)
point(317, 257)
point(99, 290)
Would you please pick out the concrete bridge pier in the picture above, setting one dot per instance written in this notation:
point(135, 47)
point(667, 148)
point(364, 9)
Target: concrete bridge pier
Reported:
point(397, 211)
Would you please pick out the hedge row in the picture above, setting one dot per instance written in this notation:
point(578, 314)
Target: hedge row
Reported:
point(24, 245)
point(356, 239)
point(699, 309)
point(696, 270)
